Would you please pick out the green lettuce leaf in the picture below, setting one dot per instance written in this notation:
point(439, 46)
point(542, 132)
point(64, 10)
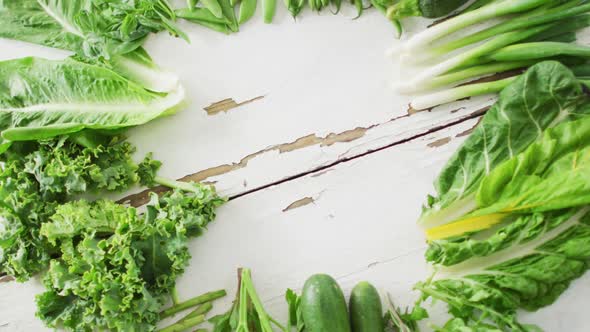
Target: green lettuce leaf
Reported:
point(27, 21)
point(547, 94)
point(93, 29)
point(42, 98)
point(70, 25)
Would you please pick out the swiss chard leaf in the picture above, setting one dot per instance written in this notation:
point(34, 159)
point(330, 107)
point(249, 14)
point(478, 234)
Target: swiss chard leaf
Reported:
point(529, 274)
point(551, 174)
point(547, 94)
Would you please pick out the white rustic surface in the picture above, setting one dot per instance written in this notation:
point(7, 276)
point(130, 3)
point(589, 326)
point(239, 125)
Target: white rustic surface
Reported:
point(319, 76)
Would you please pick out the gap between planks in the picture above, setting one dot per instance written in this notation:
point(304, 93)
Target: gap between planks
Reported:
point(326, 167)
point(140, 198)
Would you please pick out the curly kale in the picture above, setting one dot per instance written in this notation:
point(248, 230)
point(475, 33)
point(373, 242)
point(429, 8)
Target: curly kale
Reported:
point(36, 177)
point(117, 267)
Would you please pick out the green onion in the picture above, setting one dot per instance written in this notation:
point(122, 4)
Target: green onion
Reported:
point(524, 21)
point(465, 91)
point(470, 57)
point(495, 9)
point(539, 50)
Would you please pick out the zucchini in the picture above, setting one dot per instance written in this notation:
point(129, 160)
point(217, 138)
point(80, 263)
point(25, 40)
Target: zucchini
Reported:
point(366, 312)
point(424, 8)
point(323, 306)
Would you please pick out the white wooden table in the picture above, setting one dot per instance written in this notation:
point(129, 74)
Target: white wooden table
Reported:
point(326, 166)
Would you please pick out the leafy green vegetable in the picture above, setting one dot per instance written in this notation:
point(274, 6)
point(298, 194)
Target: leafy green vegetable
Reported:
point(526, 264)
point(91, 28)
point(147, 170)
point(42, 98)
point(399, 321)
point(116, 267)
point(551, 174)
point(524, 234)
point(37, 177)
point(295, 314)
point(538, 30)
point(247, 313)
point(547, 94)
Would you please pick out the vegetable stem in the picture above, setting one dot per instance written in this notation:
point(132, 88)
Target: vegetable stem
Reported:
point(207, 297)
point(539, 50)
point(524, 21)
point(496, 9)
point(200, 310)
point(475, 72)
point(471, 57)
point(181, 326)
point(174, 184)
point(175, 298)
point(469, 90)
point(269, 8)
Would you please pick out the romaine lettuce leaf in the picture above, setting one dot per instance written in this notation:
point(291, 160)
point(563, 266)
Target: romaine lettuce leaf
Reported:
point(43, 98)
point(26, 20)
point(547, 94)
point(71, 26)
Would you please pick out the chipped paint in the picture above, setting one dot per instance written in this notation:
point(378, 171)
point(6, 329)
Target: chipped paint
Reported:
point(299, 203)
point(439, 142)
point(227, 104)
point(347, 136)
point(6, 278)
point(465, 133)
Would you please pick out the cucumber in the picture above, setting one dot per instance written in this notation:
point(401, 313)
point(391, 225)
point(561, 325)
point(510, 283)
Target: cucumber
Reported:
point(366, 312)
point(439, 8)
point(323, 306)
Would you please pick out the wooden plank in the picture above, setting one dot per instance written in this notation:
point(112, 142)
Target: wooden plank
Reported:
point(278, 100)
point(354, 221)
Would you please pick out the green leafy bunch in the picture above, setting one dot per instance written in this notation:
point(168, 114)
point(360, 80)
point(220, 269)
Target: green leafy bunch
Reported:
point(36, 177)
point(510, 228)
point(91, 28)
point(247, 312)
point(115, 266)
